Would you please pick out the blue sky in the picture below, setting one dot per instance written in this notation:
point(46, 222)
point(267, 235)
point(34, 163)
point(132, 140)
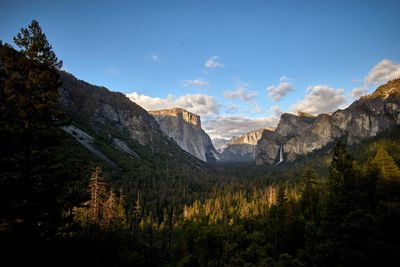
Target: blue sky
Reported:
point(238, 64)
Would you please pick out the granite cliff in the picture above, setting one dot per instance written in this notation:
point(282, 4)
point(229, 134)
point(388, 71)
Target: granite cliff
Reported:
point(301, 134)
point(112, 127)
point(241, 148)
point(185, 129)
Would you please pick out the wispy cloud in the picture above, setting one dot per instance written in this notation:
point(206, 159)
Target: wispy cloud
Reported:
point(383, 72)
point(200, 104)
point(196, 82)
point(241, 92)
point(276, 111)
point(320, 99)
point(226, 127)
point(153, 57)
point(233, 108)
point(357, 92)
point(257, 108)
point(276, 93)
point(284, 79)
point(213, 63)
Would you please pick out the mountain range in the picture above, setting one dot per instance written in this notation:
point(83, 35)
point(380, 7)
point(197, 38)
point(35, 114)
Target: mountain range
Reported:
point(117, 131)
point(303, 133)
point(106, 123)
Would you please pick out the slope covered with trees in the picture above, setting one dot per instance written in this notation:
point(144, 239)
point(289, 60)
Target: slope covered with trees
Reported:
point(62, 206)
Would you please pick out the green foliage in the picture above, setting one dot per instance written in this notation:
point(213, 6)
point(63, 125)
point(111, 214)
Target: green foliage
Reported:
point(35, 47)
point(386, 165)
point(164, 213)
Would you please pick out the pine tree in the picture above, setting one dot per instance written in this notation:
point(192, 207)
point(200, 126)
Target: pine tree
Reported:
point(98, 195)
point(109, 211)
point(309, 197)
point(339, 187)
point(137, 218)
point(386, 165)
point(35, 47)
point(32, 179)
point(120, 214)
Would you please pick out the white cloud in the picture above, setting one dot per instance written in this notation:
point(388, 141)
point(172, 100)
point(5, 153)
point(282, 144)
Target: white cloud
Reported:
point(257, 108)
point(233, 108)
point(241, 93)
point(357, 92)
point(284, 79)
point(320, 99)
point(196, 82)
point(200, 104)
point(153, 57)
point(383, 72)
point(276, 111)
point(276, 93)
point(213, 63)
point(226, 127)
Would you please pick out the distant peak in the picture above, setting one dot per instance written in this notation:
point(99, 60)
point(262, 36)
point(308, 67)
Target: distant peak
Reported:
point(179, 112)
point(250, 137)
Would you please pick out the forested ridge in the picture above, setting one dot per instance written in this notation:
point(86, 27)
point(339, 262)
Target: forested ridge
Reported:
point(61, 206)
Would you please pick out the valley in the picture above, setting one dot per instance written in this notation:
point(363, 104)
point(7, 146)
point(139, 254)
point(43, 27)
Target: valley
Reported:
point(89, 177)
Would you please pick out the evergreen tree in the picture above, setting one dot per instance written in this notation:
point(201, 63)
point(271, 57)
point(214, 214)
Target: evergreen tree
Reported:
point(309, 201)
point(386, 165)
point(110, 210)
point(34, 45)
point(341, 186)
point(98, 195)
point(32, 177)
point(120, 214)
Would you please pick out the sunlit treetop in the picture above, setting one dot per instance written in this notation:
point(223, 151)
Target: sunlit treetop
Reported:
point(34, 45)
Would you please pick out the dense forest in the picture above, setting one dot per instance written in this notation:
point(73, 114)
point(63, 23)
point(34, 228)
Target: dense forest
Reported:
point(60, 206)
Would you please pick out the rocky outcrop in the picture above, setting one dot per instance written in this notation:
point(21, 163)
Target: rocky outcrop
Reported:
point(292, 125)
point(242, 148)
point(88, 142)
point(101, 109)
point(113, 122)
point(185, 129)
point(318, 135)
point(289, 126)
point(301, 134)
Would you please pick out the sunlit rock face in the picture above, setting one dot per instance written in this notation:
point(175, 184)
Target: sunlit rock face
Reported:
point(185, 129)
point(118, 131)
point(292, 125)
point(301, 134)
point(371, 114)
point(241, 148)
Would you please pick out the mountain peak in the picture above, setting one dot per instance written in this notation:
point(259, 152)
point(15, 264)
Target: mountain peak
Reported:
point(249, 138)
point(179, 112)
point(185, 129)
point(384, 91)
point(304, 114)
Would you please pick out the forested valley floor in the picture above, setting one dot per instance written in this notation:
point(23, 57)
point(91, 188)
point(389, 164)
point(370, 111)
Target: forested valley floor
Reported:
point(62, 206)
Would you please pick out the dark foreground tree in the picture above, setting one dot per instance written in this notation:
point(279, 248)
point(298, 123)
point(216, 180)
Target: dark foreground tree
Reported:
point(31, 174)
